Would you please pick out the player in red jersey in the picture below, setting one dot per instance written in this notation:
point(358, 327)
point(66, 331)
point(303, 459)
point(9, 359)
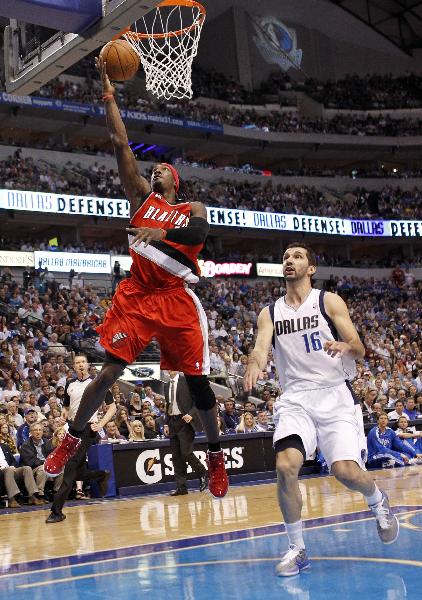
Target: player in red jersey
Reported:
point(165, 237)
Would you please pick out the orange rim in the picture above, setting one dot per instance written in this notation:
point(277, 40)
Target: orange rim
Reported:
point(157, 36)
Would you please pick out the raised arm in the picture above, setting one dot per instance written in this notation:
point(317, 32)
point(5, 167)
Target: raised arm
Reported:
point(258, 357)
point(350, 344)
point(136, 187)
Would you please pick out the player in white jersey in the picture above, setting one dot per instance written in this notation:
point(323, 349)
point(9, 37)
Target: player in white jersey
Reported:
point(315, 345)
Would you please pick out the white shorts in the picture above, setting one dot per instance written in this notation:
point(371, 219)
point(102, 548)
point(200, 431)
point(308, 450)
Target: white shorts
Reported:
point(327, 418)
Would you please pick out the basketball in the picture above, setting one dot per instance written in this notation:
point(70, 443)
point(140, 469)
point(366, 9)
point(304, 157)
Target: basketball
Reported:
point(122, 60)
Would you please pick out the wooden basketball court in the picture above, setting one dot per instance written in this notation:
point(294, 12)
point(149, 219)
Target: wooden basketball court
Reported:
point(102, 539)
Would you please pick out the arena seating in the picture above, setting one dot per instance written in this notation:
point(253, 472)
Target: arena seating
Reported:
point(42, 323)
point(327, 258)
point(391, 202)
point(353, 92)
point(42, 326)
point(347, 94)
point(370, 92)
point(276, 121)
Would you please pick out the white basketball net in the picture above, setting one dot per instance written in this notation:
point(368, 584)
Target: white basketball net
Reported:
point(167, 42)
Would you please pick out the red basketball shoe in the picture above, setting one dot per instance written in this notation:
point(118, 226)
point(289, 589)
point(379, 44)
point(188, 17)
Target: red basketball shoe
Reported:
point(56, 460)
point(218, 482)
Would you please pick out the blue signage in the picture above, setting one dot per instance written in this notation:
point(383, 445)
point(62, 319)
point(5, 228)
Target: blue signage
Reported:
point(95, 110)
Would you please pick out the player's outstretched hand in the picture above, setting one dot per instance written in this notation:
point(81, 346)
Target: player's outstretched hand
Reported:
point(336, 348)
point(253, 373)
point(145, 234)
point(101, 67)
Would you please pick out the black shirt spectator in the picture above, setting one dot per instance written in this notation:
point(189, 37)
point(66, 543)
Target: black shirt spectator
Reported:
point(229, 415)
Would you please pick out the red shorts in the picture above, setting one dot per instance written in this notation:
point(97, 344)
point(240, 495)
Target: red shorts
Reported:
point(174, 317)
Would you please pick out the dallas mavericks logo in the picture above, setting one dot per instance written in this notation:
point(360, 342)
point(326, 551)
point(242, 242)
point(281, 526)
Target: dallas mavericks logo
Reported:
point(277, 43)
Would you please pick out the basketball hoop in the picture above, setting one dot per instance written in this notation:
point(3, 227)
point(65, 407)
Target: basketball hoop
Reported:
point(166, 41)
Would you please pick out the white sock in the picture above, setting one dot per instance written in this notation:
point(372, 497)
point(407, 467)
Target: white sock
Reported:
point(375, 498)
point(295, 534)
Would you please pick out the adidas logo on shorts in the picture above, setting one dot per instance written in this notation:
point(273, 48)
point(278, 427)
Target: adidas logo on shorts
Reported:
point(117, 337)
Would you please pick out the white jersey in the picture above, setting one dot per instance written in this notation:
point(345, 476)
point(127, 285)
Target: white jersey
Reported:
point(299, 337)
point(73, 395)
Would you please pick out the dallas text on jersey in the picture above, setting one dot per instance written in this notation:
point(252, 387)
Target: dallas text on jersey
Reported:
point(294, 325)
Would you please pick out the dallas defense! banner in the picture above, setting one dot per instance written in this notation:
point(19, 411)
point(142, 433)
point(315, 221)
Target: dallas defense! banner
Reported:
point(67, 204)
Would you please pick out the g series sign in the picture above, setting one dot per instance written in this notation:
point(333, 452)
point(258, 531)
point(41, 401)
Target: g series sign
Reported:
point(147, 463)
point(151, 469)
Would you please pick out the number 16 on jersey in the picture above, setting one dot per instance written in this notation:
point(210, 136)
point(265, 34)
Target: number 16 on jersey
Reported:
point(312, 341)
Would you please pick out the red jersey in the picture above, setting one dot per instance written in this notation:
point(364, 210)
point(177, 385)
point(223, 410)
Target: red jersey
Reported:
point(163, 264)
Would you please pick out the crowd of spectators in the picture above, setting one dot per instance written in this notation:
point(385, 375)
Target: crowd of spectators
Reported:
point(327, 258)
point(358, 171)
point(41, 328)
point(293, 122)
point(205, 83)
point(31, 244)
point(42, 324)
point(270, 121)
point(354, 92)
point(18, 172)
point(389, 379)
point(386, 313)
point(258, 255)
point(370, 92)
point(392, 202)
point(378, 171)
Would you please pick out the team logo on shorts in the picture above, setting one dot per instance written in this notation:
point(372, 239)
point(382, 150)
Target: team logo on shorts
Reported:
point(118, 338)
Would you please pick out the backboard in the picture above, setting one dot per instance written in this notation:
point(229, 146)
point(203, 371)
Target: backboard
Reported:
point(31, 60)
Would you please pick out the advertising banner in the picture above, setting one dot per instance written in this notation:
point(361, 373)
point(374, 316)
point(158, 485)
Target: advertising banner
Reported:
point(10, 258)
point(136, 465)
point(62, 262)
point(125, 262)
point(269, 270)
point(64, 204)
point(97, 110)
point(231, 217)
point(209, 268)
point(67, 204)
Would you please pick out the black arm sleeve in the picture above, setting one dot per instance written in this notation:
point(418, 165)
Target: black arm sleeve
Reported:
point(109, 398)
point(66, 397)
point(195, 233)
